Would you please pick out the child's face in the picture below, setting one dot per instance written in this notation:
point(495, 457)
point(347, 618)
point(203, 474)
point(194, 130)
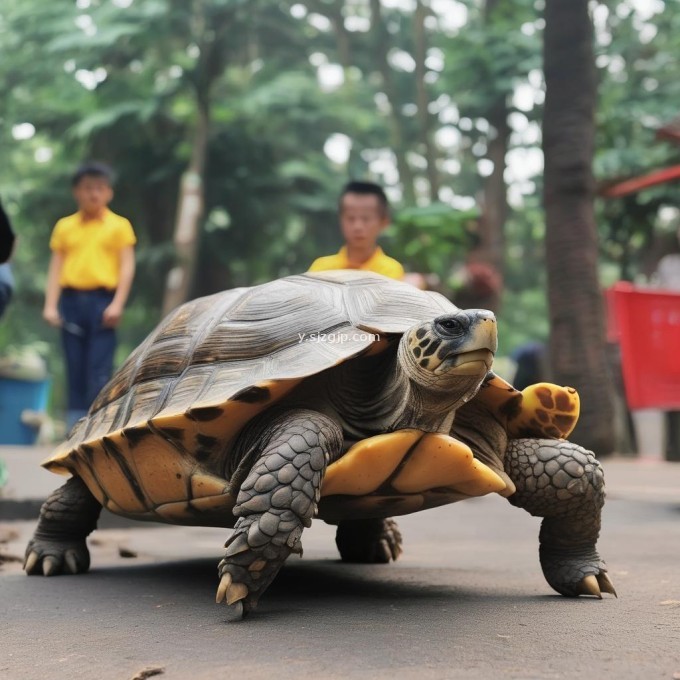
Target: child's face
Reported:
point(362, 218)
point(92, 194)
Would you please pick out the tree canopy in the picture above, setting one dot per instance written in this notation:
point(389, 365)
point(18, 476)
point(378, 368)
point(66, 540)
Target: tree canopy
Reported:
point(439, 100)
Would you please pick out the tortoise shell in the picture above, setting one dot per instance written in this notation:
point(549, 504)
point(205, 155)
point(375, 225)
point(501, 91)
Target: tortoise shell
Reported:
point(158, 441)
point(174, 408)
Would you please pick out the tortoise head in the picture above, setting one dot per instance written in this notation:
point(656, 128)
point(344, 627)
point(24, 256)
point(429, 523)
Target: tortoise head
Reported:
point(451, 352)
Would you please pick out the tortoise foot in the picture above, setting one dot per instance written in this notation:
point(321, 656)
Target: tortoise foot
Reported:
point(276, 501)
point(66, 519)
point(574, 576)
point(51, 557)
point(369, 541)
point(253, 559)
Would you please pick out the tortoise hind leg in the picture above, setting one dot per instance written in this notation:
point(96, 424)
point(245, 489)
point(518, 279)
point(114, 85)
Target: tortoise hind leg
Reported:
point(276, 501)
point(564, 484)
point(67, 517)
point(368, 541)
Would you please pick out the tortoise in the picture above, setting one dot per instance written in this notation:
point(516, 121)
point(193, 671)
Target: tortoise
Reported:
point(341, 395)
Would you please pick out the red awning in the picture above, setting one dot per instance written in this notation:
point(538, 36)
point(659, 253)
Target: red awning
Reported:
point(631, 186)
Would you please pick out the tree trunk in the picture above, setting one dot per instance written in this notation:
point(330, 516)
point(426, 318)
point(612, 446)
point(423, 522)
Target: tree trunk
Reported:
point(491, 248)
point(495, 207)
point(577, 345)
point(189, 211)
point(423, 99)
point(334, 13)
point(210, 34)
point(381, 42)
point(342, 41)
point(356, 165)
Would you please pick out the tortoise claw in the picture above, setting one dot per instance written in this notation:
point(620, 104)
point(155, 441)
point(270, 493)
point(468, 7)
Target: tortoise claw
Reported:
point(71, 562)
point(385, 554)
point(236, 592)
point(589, 586)
point(606, 586)
point(49, 566)
point(230, 591)
point(225, 582)
point(52, 557)
point(31, 561)
point(595, 585)
point(582, 573)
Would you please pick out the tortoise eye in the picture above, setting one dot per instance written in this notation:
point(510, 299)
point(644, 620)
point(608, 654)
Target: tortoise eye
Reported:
point(450, 326)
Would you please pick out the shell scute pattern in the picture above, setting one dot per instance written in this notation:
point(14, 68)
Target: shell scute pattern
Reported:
point(181, 398)
point(222, 359)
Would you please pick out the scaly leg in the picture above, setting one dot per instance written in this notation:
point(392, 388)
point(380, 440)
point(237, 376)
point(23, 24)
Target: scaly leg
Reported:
point(368, 541)
point(67, 517)
point(563, 483)
point(276, 501)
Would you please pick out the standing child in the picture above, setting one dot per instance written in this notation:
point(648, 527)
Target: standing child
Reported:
point(364, 214)
point(88, 283)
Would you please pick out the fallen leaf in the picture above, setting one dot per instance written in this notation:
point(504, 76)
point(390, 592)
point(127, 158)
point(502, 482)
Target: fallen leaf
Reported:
point(10, 558)
point(7, 535)
point(148, 672)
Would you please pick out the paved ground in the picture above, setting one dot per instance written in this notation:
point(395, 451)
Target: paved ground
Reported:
point(467, 599)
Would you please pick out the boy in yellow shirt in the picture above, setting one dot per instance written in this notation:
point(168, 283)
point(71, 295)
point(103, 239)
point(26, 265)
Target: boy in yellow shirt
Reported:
point(364, 214)
point(88, 283)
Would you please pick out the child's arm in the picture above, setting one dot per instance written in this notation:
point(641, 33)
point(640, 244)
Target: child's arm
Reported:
point(53, 290)
point(114, 311)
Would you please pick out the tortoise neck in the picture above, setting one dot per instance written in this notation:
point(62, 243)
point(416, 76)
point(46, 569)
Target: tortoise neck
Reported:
point(420, 407)
point(375, 394)
point(430, 398)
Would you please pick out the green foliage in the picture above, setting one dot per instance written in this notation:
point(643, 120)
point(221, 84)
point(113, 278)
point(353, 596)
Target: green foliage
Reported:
point(123, 84)
point(523, 318)
point(432, 238)
point(491, 56)
point(639, 92)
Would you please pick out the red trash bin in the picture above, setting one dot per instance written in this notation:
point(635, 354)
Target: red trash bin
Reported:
point(646, 322)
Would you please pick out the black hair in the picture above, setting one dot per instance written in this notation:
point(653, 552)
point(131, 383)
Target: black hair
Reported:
point(366, 189)
point(92, 169)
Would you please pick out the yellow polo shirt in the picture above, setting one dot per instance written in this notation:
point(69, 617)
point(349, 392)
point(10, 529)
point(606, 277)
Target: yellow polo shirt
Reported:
point(91, 249)
point(378, 262)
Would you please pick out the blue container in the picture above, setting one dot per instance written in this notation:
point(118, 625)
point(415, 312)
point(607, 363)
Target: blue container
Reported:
point(17, 396)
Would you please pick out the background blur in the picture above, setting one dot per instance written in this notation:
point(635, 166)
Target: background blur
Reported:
point(271, 106)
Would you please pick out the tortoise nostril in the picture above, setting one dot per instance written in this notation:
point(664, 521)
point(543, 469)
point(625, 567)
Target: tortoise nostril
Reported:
point(486, 315)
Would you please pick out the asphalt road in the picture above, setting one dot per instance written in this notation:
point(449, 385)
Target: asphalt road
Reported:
point(466, 600)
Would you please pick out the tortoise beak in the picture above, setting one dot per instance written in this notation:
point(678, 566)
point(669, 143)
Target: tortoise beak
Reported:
point(469, 341)
point(467, 362)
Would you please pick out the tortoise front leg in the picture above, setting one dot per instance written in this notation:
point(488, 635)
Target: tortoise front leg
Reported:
point(67, 517)
point(276, 501)
point(563, 483)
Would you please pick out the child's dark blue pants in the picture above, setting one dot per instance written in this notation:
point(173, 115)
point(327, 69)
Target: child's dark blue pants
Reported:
point(88, 346)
